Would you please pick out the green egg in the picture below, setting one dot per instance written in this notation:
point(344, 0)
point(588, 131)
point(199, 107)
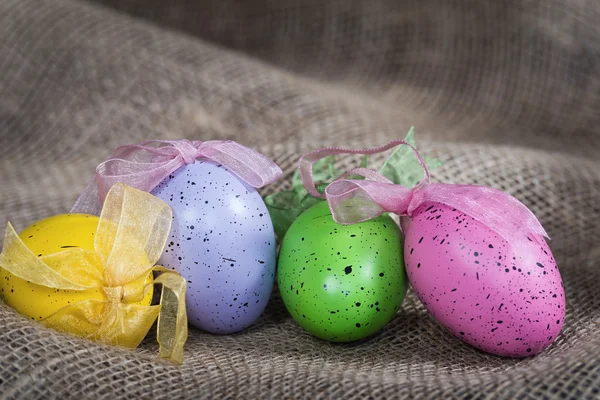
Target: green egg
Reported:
point(341, 282)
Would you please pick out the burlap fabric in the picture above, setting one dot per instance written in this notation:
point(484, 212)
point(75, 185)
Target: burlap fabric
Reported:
point(507, 93)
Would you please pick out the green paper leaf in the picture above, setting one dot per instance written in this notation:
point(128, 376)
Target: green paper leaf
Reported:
point(321, 187)
point(308, 201)
point(402, 166)
point(364, 162)
point(323, 171)
point(283, 208)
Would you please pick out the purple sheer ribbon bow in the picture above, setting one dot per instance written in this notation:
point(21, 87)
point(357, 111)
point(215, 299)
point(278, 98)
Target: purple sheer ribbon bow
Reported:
point(352, 201)
point(143, 166)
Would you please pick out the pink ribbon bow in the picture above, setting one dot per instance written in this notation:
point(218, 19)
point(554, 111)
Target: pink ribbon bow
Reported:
point(352, 201)
point(144, 166)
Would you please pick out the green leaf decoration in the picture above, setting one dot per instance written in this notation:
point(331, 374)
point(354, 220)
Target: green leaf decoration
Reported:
point(364, 162)
point(323, 171)
point(284, 207)
point(401, 167)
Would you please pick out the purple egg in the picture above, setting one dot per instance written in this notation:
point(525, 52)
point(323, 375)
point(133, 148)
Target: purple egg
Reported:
point(222, 241)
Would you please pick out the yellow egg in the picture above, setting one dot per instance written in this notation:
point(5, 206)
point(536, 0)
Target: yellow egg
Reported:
point(46, 237)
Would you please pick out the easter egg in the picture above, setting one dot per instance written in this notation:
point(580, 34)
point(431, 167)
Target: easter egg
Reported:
point(341, 282)
point(49, 236)
point(222, 242)
point(503, 298)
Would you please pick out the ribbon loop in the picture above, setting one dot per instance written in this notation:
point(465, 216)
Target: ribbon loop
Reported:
point(249, 165)
point(143, 166)
point(352, 201)
point(131, 234)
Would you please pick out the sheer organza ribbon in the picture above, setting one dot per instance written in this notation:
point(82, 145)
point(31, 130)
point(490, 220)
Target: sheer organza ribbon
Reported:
point(356, 200)
point(130, 238)
point(143, 166)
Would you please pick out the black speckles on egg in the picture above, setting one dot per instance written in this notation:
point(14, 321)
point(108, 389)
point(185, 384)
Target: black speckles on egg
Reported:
point(340, 269)
point(221, 233)
point(519, 291)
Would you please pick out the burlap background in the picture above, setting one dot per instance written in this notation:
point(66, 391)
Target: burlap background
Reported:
point(506, 92)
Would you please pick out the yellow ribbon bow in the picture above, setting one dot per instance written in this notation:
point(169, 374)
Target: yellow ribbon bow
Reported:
point(133, 229)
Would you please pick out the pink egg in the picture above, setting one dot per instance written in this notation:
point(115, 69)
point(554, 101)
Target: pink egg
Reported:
point(505, 299)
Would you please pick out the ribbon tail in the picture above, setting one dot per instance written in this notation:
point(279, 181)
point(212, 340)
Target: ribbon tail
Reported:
point(126, 325)
point(17, 259)
point(499, 211)
point(80, 319)
point(252, 167)
point(172, 320)
point(89, 201)
point(123, 325)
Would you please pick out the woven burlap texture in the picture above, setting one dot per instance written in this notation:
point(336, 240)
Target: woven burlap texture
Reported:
point(506, 93)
